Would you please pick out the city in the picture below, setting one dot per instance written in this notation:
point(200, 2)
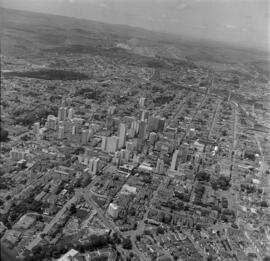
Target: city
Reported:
point(135, 158)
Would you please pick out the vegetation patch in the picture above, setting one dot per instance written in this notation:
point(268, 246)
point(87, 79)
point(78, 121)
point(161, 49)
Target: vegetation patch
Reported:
point(49, 75)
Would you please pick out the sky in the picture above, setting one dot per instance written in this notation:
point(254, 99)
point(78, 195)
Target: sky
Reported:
point(243, 22)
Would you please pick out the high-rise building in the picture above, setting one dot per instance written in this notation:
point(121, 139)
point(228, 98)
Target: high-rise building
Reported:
point(111, 110)
point(74, 130)
point(160, 166)
point(130, 145)
point(122, 135)
point(152, 138)
point(94, 165)
point(184, 151)
point(104, 143)
point(116, 158)
point(36, 128)
point(86, 159)
point(170, 132)
point(87, 152)
point(124, 155)
point(70, 113)
point(134, 128)
point(134, 125)
point(161, 124)
point(41, 132)
point(78, 121)
point(112, 144)
point(136, 159)
point(142, 130)
point(61, 132)
point(128, 120)
point(140, 145)
point(62, 113)
point(90, 132)
point(174, 159)
point(144, 115)
point(85, 136)
point(131, 133)
point(17, 155)
point(142, 102)
point(156, 123)
point(192, 133)
point(51, 122)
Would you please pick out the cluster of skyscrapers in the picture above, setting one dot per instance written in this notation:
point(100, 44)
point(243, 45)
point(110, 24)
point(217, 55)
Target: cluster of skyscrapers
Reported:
point(133, 134)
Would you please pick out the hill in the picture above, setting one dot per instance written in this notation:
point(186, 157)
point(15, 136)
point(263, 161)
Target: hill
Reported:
point(29, 35)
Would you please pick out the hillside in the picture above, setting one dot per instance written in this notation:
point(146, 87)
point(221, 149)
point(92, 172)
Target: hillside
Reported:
point(30, 35)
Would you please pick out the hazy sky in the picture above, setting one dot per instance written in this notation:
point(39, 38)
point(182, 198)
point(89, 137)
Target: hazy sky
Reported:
point(235, 21)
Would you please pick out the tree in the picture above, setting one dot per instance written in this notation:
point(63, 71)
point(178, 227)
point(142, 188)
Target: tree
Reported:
point(264, 204)
point(138, 237)
point(132, 211)
point(223, 182)
point(36, 250)
point(198, 227)
point(167, 218)
point(127, 244)
point(203, 176)
point(115, 238)
point(99, 241)
point(3, 134)
point(160, 230)
point(214, 185)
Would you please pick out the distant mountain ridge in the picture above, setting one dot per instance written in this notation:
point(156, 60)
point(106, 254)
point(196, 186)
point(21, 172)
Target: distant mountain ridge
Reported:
point(28, 34)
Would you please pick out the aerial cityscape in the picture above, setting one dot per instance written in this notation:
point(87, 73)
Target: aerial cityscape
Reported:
point(119, 143)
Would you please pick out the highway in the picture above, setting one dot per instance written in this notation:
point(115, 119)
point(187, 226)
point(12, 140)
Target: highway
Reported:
point(180, 108)
point(193, 117)
point(214, 119)
point(206, 94)
point(233, 146)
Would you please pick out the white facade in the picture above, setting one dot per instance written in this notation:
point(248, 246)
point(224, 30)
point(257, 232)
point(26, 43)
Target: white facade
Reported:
point(122, 135)
point(174, 159)
point(69, 255)
point(130, 146)
point(61, 132)
point(36, 128)
point(111, 110)
point(104, 143)
point(94, 165)
point(142, 102)
point(135, 126)
point(112, 144)
point(152, 138)
point(85, 136)
point(70, 113)
point(113, 210)
point(51, 122)
point(74, 130)
point(62, 113)
point(160, 166)
point(17, 155)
